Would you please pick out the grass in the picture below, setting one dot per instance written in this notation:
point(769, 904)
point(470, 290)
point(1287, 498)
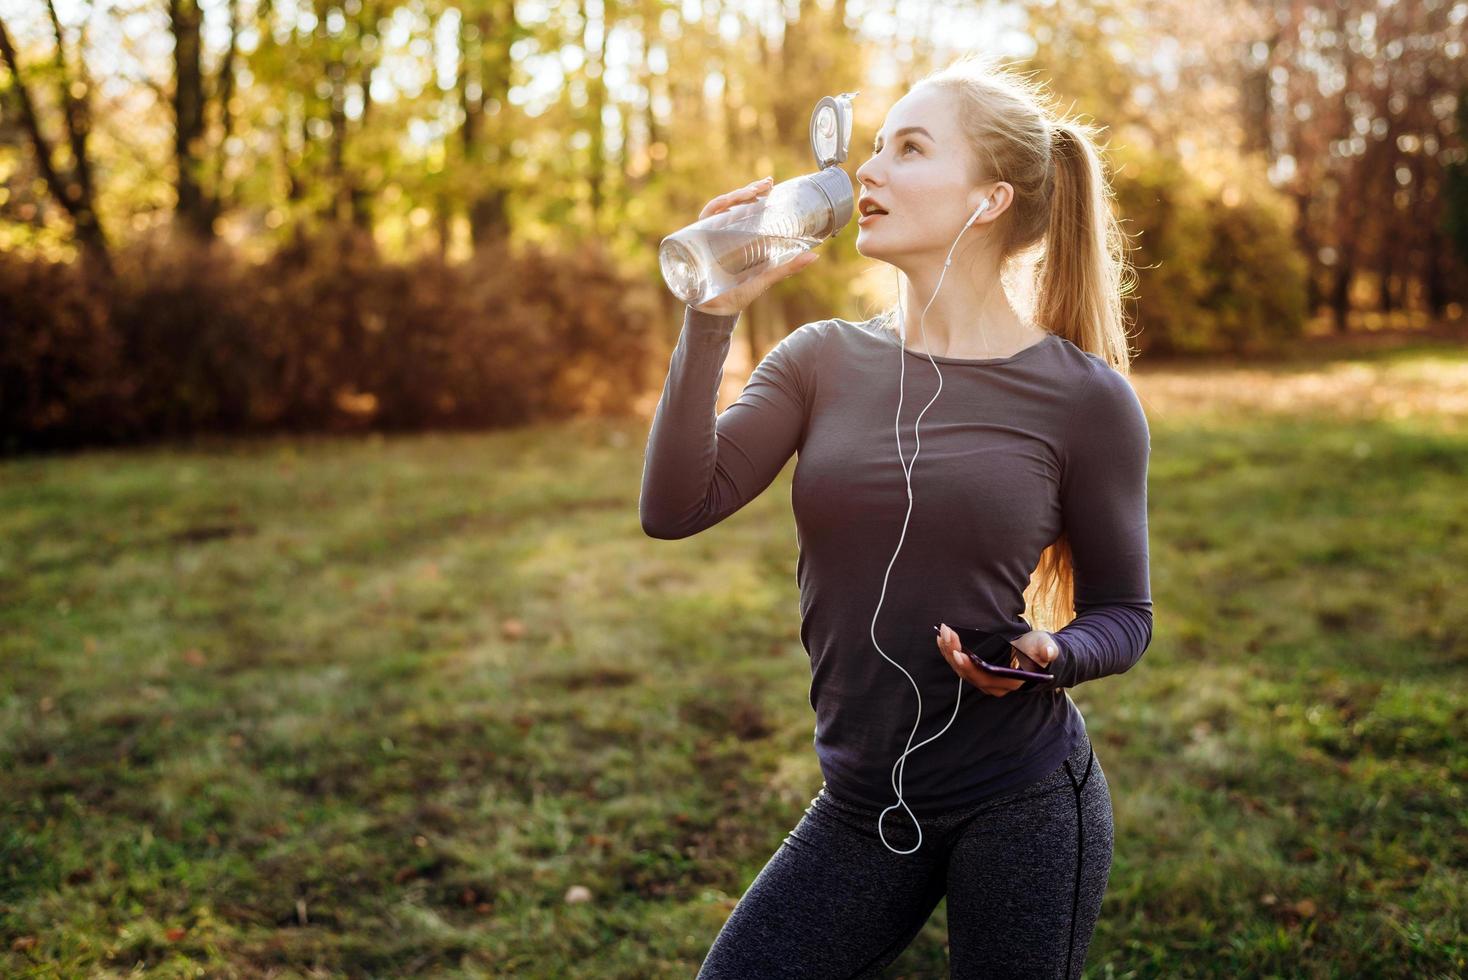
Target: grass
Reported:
point(312, 706)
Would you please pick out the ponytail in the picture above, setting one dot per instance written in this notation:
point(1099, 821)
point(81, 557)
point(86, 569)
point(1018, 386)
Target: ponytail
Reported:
point(1081, 277)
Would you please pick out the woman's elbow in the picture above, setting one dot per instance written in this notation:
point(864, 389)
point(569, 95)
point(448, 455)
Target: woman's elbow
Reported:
point(660, 526)
point(1143, 633)
point(663, 532)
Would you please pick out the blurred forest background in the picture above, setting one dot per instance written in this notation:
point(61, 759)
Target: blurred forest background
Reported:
point(433, 704)
point(249, 215)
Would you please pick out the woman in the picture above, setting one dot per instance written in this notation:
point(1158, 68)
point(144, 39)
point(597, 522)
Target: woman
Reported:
point(1033, 458)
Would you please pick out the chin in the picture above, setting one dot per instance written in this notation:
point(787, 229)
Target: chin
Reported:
point(865, 246)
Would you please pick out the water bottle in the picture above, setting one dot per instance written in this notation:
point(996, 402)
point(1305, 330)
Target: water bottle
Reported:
point(712, 256)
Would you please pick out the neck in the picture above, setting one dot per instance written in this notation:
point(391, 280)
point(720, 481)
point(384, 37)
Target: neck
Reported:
point(971, 317)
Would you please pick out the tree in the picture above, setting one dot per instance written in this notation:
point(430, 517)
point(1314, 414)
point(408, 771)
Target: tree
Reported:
point(71, 187)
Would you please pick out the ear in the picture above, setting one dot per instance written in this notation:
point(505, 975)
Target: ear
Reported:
point(999, 195)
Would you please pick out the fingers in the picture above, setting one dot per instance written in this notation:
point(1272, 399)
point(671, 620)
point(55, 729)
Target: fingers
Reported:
point(746, 193)
point(944, 646)
point(743, 195)
point(952, 650)
point(1039, 646)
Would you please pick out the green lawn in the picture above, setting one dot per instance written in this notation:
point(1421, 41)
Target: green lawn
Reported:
point(372, 707)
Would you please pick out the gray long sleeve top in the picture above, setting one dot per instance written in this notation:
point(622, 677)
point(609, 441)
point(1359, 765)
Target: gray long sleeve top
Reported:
point(1015, 450)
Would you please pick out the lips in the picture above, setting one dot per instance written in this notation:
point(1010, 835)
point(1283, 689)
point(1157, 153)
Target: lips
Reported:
point(870, 211)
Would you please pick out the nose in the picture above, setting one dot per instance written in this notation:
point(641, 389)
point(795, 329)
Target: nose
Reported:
point(864, 172)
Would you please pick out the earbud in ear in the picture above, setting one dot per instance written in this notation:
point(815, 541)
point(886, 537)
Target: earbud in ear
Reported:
point(978, 211)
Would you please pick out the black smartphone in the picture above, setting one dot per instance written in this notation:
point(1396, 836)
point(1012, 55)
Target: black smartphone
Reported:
point(994, 654)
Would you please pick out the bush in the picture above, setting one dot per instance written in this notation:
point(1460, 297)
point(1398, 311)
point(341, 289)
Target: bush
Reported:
point(62, 373)
point(1212, 277)
point(324, 335)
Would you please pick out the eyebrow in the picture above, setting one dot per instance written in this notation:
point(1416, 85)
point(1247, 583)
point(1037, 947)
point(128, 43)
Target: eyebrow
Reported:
point(908, 129)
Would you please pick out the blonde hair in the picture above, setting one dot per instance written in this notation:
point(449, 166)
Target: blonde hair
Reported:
point(1059, 243)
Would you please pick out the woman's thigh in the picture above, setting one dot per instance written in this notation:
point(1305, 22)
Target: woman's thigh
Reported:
point(1026, 877)
point(833, 901)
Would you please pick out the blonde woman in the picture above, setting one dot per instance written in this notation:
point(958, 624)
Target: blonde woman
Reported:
point(1024, 490)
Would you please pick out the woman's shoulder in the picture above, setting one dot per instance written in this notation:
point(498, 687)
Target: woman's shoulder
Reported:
point(812, 340)
point(1091, 376)
point(1105, 407)
point(806, 340)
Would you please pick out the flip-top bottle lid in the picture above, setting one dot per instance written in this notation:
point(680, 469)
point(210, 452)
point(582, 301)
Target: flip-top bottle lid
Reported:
point(830, 129)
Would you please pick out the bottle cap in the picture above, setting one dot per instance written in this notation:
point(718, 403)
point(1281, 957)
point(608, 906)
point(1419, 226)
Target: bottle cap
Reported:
point(830, 129)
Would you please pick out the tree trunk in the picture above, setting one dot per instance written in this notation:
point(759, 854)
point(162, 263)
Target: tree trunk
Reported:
point(195, 210)
point(486, 64)
point(1385, 273)
point(72, 190)
point(595, 72)
point(360, 198)
point(1433, 261)
point(1340, 293)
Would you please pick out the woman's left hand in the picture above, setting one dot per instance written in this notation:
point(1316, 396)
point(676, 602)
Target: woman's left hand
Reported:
point(1038, 645)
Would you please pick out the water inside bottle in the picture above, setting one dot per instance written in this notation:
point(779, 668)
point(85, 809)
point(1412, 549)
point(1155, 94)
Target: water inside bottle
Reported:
point(734, 252)
point(712, 256)
point(731, 258)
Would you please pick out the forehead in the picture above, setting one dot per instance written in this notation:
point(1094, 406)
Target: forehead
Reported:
point(926, 106)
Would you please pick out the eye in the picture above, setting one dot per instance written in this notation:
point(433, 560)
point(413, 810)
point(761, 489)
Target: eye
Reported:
point(906, 144)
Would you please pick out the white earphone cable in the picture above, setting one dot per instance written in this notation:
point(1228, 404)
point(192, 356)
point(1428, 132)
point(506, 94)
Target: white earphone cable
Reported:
point(900, 766)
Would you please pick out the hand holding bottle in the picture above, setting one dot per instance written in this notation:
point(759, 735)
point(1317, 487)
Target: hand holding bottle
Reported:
point(735, 300)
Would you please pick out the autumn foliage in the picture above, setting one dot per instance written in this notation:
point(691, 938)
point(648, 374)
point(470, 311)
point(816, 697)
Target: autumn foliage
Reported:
point(325, 335)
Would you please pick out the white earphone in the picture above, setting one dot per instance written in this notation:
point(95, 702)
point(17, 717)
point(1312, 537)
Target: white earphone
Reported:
point(899, 767)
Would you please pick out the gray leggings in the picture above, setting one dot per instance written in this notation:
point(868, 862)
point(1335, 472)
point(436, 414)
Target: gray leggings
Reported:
point(1024, 874)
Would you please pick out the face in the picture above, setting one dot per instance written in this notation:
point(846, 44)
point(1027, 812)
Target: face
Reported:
point(921, 178)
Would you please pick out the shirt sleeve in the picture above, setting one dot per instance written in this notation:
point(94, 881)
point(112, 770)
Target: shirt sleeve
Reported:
point(699, 467)
point(1103, 497)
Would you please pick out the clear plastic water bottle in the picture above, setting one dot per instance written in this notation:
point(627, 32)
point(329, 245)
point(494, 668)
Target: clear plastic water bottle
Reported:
point(710, 257)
